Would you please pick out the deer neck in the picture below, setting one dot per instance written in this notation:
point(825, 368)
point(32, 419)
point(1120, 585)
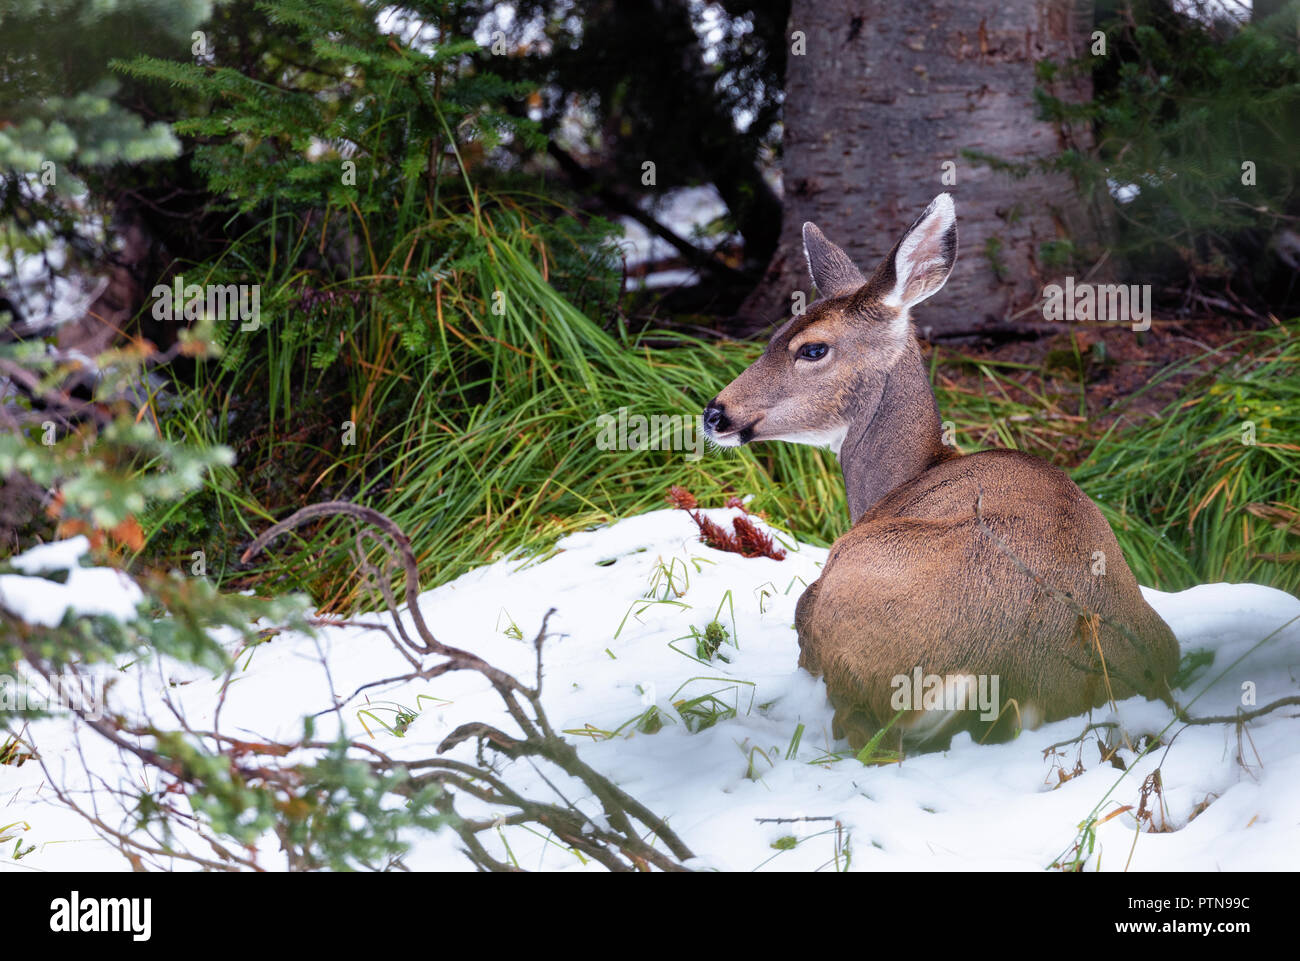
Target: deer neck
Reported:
point(894, 440)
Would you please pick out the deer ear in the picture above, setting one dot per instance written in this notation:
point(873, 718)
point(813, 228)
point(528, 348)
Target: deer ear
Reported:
point(832, 271)
point(923, 258)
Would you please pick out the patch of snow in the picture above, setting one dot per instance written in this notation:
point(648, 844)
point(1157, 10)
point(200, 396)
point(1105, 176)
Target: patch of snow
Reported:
point(1124, 193)
point(95, 591)
point(55, 556)
point(683, 210)
point(626, 597)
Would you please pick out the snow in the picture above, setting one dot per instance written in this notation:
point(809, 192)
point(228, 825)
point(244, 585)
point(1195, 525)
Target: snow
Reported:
point(683, 210)
point(36, 282)
point(57, 556)
point(89, 591)
point(620, 641)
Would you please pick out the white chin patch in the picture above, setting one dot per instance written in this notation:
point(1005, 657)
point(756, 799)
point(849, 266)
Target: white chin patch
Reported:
point(724, 440)
point(831, 439)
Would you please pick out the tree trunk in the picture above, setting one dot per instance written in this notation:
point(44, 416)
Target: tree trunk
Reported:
point(885, 96)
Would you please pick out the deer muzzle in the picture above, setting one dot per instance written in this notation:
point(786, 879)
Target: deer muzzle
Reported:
point(720, 428)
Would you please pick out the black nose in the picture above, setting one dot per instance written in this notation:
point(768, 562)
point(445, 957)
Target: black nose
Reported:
point(715, 416)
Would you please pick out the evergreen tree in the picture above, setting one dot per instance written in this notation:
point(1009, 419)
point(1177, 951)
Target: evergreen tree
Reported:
point(57, 105)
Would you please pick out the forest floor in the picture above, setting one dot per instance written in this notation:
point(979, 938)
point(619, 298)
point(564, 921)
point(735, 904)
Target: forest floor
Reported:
point(1115, 364)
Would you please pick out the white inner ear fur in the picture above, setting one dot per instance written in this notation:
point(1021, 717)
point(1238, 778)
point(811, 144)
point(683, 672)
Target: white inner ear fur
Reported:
point(920, 253)
point(898, 331)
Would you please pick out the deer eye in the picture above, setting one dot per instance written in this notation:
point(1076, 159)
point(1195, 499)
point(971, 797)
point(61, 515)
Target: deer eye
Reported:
point(812, 352)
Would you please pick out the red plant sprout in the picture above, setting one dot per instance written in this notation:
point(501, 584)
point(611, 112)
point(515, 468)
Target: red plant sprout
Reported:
point(753, 542)
point(747, 541)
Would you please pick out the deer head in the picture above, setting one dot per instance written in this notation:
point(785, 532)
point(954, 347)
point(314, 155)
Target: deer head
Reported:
point(827, 369)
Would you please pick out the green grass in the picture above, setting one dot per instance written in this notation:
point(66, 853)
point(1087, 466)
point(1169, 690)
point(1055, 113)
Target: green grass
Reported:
point(473, 387)
point(1195, 494)
point(1209, 490)
point(480, 444)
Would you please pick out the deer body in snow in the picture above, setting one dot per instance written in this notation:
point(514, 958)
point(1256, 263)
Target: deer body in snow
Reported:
point(993, 564)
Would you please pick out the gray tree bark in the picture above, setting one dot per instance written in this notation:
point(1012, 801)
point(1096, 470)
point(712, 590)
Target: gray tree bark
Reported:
point(886, 93)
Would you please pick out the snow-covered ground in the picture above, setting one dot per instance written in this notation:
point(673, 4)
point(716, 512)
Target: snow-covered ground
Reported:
point(621, 643)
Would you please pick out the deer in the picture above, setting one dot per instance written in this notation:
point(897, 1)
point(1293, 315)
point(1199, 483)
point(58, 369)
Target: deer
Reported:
point(991, 564)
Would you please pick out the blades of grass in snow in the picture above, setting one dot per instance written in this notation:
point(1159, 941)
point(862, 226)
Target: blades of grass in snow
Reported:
point(868, 755)
point(793, 750)
point(641, 607)
point(731, 607)
point(751, 772)
point(1074, 856)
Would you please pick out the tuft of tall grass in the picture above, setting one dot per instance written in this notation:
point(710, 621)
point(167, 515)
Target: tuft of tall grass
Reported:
point(1209, 489)
point(462, 400)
